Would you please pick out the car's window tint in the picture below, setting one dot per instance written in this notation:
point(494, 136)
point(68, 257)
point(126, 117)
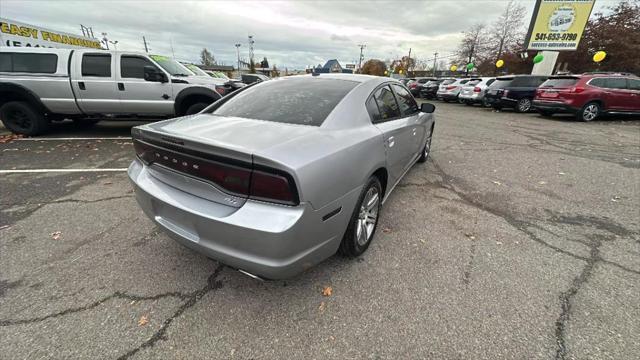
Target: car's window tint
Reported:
point(372, 108)
point(616, 83)
point(634, 84)
point(28, 63)
point(599, 82)
point(501, 83)
point(490, 81)
point(407, 103)
point(447, 81)
point(560, 82)
point(521, 81)
point(473, 82)
point(386, 103)
point(133, 66)
point(300, 101)
point(96, 65)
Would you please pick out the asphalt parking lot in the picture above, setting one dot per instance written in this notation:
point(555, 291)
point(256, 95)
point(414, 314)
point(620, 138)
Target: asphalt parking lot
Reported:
point(518, 239)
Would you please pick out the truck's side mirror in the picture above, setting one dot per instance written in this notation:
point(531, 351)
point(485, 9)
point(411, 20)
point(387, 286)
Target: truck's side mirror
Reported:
point(427, 108)
point(153, 74)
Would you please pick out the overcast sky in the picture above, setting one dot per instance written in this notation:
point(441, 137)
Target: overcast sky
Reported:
point(293, 34)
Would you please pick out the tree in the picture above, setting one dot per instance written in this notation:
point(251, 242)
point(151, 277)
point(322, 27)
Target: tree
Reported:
point(618, 34)
point(264, 63)
point(374, 67)
point(274, 71)
point(252, 67)
point(206, 58)
point(506, 31)
point(472, 44)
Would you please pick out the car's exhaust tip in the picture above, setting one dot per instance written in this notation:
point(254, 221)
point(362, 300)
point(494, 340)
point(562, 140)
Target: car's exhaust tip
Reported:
point(253, 276)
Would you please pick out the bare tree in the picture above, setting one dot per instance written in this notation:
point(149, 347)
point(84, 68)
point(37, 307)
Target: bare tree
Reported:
point(473, 42)
point(206, 58)
point(507, 29)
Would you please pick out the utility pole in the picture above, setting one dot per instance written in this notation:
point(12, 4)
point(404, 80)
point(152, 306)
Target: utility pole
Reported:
point(251, 41)
point(408, 63)
point(238, 53)
point(362, 46)
point(435, 58)
point(146, 48)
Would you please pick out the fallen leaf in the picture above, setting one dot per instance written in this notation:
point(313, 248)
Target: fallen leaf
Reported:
point(386, 230)
point(470, 236)
point(561, 173)
point(108, 183)
point(322, 306)
point(497, 182)
point(56, 235)
point(327, 291)
point(542, 182)
point(615, 198)
point(498, 243)
point(422, 241)
point(4, 227)
point(143, 320)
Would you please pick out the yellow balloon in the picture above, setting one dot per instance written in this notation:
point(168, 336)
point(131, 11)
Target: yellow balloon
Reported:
point(400, 72)
point(453, 68)
point(599, 56)
point(499, 63)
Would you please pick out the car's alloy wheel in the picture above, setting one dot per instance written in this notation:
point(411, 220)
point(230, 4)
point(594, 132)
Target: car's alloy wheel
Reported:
point(364, 220)
point(590, 112)
point(368, 216)
point(524, 105)
point(427, 149)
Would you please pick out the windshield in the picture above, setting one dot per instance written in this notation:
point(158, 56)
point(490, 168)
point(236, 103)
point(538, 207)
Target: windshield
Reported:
point(171, 66)
point(220, 75)
point(301, 101)
point(196, 70)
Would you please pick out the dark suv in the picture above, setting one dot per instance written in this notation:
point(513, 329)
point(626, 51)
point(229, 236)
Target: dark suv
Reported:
point(414, 86)
point(515, 91)
point(430, 88)
point(589, 95)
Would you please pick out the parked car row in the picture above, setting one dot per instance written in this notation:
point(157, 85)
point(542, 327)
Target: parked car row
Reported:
point(587, 96)
point(41, 85)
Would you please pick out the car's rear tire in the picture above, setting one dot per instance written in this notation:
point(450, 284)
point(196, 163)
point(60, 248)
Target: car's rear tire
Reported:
point(21, 118)
point(523, 105)
point(196, 108)
point(589, 112)
point(364, 220)
point(427, 148)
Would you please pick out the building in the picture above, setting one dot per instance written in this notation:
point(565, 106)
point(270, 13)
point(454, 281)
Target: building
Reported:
point(332, 66)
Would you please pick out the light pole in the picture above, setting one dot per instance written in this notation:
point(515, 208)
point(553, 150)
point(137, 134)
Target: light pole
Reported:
point(238, 53)
point(115, 44)
point(362, 46)
point(105, 41)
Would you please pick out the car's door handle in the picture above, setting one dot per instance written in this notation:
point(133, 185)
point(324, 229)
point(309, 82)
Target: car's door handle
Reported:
point(81, 85)
point(391, 141)
point(121, 86)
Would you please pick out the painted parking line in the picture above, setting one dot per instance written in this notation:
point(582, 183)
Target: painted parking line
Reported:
point(27, 171)
point(73, 138)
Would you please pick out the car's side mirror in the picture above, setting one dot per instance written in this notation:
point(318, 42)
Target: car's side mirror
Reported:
point(427, 108)
point(152, 74)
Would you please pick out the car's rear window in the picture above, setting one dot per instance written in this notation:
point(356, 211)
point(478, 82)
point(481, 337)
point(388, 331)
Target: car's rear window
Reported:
point(304, 101)
point(448, 81)
point(500, 83)
point(560, 82)
point(473, 82)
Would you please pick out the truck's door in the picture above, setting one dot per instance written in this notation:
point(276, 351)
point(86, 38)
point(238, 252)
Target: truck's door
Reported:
point(94, 83)
point(138, 96)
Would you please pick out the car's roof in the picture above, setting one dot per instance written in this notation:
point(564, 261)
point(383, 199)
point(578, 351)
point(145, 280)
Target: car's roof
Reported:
point(350, 77)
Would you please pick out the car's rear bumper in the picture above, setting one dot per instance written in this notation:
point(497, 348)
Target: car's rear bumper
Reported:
point(554, 106)
point(474, 97)
point(267, 240)
point(447, 95)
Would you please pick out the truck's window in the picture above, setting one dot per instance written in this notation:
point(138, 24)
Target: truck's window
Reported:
point(98, 65)
point(28, 63)
point(133, 66)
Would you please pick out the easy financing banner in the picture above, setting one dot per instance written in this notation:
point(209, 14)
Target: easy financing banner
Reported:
point(558, 24)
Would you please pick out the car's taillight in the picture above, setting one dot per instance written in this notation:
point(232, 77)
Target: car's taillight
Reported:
point(272, 187)
point(477, 89)
point(451, 87)
point(221, 90)
point(237, 180)
point(577, 89)
point(413, 86)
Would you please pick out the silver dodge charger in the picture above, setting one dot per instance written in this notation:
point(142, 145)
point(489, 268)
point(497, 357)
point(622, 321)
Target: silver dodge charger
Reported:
point(280, 175)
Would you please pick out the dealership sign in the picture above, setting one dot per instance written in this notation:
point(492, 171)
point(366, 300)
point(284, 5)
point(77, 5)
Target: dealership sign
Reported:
point(558, 24)
point(17, 34)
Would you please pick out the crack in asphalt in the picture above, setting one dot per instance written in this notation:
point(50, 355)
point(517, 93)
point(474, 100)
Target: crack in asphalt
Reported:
point(192, 299)
point(63, 201)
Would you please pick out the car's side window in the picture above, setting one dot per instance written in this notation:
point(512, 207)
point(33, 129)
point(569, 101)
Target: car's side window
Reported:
point(408, 105)
point(490, 81)
point(98, 65)
point(387, 105)
point(616, 83)
point(372, 108)
point(133, 66)
point(599, 82)
point(634, 84)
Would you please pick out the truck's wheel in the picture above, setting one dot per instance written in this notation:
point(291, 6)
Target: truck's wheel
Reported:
point(196, 108)
point(22, 118)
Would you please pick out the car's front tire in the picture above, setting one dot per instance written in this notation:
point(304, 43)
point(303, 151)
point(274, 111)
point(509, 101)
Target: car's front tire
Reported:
point(364, 220)
point(21, 118)
point(523, 105)
point(427, 148)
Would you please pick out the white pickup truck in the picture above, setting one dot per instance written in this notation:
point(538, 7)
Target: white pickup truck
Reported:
point(39, 85)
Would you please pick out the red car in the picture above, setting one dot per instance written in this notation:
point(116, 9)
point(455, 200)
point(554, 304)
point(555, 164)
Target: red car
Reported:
point(589, 95)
